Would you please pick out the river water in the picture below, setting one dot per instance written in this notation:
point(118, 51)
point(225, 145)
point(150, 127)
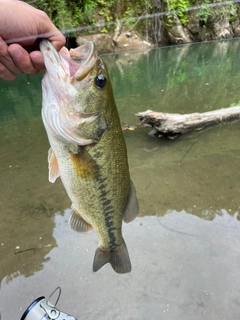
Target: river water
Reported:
point(185, 244)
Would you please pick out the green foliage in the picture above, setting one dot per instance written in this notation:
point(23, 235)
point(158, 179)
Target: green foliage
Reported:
point(181, 8)
point(234, 104)
point(126, 10)
point(106, 9)
point(210, 8)
point(67, 14)
point(205, 11)
point(134, 10)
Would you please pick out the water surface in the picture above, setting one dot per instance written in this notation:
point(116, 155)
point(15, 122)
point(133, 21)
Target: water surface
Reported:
point(184, 246)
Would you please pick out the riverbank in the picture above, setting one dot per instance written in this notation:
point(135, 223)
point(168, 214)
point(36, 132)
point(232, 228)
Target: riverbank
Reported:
point(124, 25)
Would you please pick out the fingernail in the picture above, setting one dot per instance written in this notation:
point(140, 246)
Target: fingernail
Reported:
point(16, 53)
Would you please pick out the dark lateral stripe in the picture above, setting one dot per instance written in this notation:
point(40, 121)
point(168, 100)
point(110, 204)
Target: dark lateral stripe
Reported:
point(108, 212)
point(106, 202)
point(108, 209)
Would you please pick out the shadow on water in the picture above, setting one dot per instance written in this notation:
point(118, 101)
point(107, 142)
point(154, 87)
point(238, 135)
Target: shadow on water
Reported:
point(188, 229)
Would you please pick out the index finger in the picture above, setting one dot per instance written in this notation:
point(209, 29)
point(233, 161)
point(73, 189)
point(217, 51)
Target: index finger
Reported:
point(51, 33)
point(58, 41)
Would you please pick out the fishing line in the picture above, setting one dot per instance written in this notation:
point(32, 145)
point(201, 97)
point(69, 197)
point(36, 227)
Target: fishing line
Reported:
point(138, 18)
point(148, 16)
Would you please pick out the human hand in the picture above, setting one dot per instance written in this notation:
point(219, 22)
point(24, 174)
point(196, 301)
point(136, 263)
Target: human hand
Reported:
point(21, 26)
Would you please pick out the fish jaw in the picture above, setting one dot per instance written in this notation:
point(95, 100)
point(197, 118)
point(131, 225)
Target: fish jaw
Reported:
point(68, 74)
point(68, 66)
point(57, 69)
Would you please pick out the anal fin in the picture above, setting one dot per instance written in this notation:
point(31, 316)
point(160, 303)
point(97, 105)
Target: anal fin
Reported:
point(77, 223)
point(132, 208)
point(118, 258)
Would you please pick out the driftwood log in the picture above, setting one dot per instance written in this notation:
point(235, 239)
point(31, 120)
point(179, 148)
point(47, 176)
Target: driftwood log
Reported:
point(172, 125)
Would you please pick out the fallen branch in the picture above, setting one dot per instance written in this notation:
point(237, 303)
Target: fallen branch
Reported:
point(34, 248)
point(172, 125)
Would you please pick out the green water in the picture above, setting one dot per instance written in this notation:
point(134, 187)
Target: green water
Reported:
point(185, 245)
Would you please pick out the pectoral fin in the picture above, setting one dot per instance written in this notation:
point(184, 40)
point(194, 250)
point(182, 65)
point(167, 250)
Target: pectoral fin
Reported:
point(52, 166)
point(77, 223)
point(132, 208)
point(84, 165)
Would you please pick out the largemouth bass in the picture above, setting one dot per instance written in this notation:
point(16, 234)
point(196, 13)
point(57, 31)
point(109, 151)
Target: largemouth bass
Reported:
point(88, 151)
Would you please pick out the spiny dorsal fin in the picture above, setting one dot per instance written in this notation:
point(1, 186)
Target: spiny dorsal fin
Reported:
point(132, 208)
point(52, 166)
point(118, 258)
point(77, 223)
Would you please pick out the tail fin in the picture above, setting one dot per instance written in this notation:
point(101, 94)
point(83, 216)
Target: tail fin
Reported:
point(119, 259)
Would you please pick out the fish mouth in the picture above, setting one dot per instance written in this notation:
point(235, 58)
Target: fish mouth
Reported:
point(74, 64)
point(68, 73)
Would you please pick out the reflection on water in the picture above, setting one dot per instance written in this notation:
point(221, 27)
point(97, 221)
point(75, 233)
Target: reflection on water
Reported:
point(181, 252)
point(184, 267)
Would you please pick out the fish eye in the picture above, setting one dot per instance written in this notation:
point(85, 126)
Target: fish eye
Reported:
point(100, 81)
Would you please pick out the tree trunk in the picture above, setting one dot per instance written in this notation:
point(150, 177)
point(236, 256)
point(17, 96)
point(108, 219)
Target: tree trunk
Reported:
point(172, 125)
